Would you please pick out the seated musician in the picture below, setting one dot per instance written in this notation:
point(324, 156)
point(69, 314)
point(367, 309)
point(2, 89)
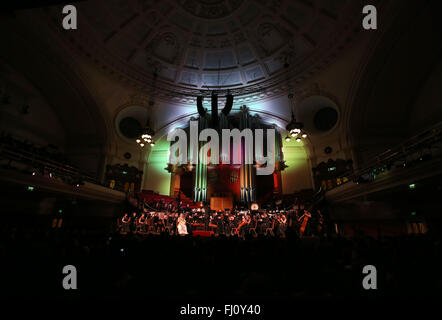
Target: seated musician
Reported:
point(148, 222)
point(305, 228)
point(160, 223)
point(142, 222)
point(134, 221)
point(219, 221)
point(263, 222)
point(171, 222)
point(282, 225)
point(243, 225)
point(155, 220)
point(235, 220)
point(125, 223)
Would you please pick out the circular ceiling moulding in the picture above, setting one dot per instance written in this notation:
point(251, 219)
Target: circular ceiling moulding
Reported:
point(130, 127)
point(319, 113)
point(129, 122)
point(325, 119)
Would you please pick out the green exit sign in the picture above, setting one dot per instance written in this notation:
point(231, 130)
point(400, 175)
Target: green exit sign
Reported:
point(331, 169)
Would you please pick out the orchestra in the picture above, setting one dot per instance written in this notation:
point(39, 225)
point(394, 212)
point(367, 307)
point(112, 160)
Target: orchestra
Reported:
point(229, 223)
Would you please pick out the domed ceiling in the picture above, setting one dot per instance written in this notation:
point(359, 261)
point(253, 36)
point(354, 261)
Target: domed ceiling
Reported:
point(192, 45)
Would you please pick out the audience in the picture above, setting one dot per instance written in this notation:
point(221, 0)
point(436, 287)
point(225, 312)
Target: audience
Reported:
point(130, 265)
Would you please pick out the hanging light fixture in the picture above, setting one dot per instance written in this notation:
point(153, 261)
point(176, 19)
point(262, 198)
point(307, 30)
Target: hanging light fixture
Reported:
point(147, 134)
point(295, 128)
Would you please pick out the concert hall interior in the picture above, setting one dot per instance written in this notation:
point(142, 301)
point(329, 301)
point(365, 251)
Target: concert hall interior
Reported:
point(113, 157)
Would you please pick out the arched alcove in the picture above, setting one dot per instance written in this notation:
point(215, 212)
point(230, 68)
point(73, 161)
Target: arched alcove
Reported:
point(388, 108)
point(63, 90)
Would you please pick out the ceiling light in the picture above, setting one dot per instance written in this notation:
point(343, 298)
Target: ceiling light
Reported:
point(146, 136)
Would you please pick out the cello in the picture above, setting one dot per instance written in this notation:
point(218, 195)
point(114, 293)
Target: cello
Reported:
point(305, 217)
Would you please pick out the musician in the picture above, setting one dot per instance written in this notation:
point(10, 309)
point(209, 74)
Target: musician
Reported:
point(219, 221)
point(171, 222)
point(206, 218)
point(134, 220)
point(282, 225)
point(243, 225)
point(181, 225)
point(161, 226)
point(125, 223)
point(320, 222)
point(305, 229)
point(154, 221)
point(142, 222)
point(260, 223)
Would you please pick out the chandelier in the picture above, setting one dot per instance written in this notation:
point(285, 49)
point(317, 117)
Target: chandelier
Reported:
point(146, 136)
point(295, 128)
point(147, 133)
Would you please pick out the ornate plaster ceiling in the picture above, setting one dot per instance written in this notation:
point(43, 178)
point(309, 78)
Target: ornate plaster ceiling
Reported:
point(193, 45)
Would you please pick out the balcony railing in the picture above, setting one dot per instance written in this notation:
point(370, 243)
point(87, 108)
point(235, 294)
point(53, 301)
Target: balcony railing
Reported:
point(417, 149)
